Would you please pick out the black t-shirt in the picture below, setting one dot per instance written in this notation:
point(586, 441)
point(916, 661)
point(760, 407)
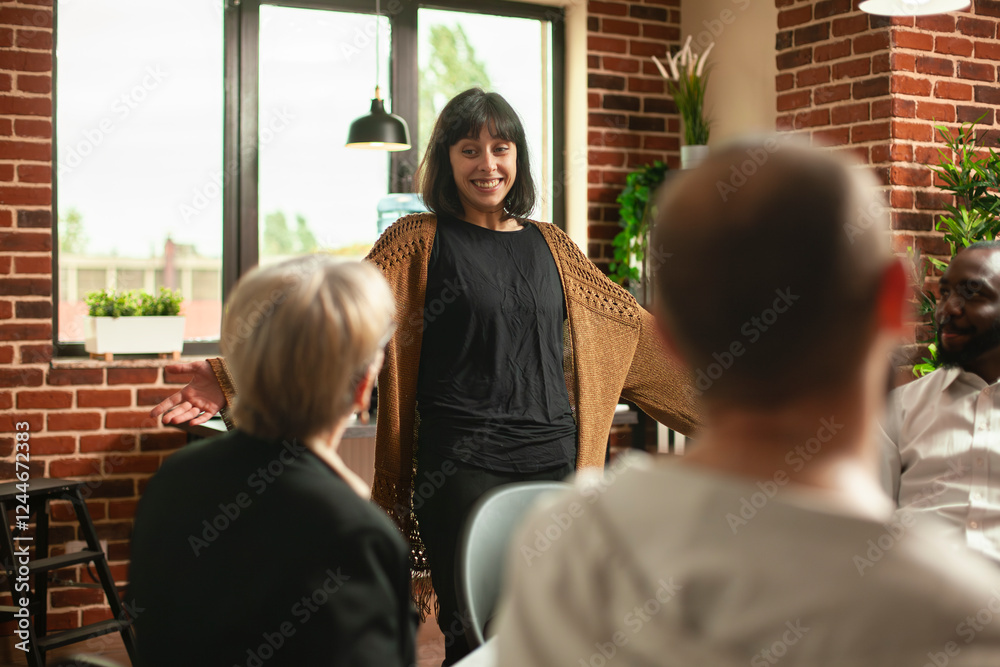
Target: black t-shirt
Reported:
point(491, 390)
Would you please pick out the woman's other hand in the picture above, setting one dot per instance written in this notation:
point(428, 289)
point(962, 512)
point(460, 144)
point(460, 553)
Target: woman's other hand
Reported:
point(197, 402)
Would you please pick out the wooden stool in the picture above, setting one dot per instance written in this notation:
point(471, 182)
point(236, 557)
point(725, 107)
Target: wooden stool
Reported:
point(12, 546)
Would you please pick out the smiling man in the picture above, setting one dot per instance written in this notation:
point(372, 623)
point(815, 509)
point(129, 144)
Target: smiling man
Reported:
point(943, 431)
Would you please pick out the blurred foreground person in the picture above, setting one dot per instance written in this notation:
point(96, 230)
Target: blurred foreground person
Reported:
point(772, 540)
point(260, 546)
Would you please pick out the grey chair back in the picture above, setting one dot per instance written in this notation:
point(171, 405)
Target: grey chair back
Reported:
point(482, 550)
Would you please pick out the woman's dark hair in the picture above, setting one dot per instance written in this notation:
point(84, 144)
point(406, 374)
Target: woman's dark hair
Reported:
point(465, 116)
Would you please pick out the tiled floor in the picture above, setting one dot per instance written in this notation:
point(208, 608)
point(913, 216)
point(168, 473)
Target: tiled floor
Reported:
point(430, 649)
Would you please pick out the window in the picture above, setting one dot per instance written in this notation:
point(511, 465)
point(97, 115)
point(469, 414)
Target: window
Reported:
point(139, 92)
point(213, 139)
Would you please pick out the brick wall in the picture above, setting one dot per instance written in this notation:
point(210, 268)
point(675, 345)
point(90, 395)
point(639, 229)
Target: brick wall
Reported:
point(87, 422)
point(632, 120)
point(878, 86)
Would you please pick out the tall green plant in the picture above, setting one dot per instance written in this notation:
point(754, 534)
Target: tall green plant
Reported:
point(634, 209)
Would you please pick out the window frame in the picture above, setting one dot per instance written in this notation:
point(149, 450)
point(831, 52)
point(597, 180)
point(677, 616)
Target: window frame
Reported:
point(241, 27)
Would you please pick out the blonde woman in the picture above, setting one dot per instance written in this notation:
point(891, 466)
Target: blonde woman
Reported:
point(261, 543)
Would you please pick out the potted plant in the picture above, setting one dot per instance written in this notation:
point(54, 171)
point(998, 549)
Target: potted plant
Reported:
point(972, 174)
point(636, 210)
point(687, 79)
point(133, 322)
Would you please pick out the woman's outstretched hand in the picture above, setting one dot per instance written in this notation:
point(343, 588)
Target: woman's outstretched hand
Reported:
point(197, 402)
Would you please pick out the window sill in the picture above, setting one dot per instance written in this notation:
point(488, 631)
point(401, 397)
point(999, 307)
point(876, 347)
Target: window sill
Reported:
point(127, 362)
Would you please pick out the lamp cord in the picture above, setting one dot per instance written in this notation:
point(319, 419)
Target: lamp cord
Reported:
point(378, 13)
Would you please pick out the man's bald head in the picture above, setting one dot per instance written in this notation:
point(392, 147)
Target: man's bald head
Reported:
point(770, 285)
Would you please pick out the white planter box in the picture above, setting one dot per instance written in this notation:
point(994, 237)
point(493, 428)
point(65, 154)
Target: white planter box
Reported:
point(133, 335)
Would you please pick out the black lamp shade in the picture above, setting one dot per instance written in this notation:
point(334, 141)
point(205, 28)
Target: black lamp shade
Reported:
point(379, 130)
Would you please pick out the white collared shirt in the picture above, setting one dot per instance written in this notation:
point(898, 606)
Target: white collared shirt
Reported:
point(942, 453)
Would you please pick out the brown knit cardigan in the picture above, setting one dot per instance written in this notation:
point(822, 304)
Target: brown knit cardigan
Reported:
point(611, 350)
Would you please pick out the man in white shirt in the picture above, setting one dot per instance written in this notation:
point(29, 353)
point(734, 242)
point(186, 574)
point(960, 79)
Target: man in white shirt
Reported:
point(942, 445)
point(771, 540)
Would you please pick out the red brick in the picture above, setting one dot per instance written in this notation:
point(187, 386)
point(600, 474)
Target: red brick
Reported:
point(950, 90)
point(940, 113)
point(955, 46)
point(850, 113)
point(24, 241)
point(25, 61)
point(795, 100)
point(21, 377)
point(6, 173)
point(54, 444)
point(977, 71)
point(608, 44)
point(784, 82)
point(26, 331)
point(912, 220)
point(908, 85)
point(666, 33)
point(28, 83)
point(615, 64)
point(871, 42)
point(936, 23)
point(796, 16)
point(25, 106)
point(874, 87)
point(616, 27)
point(25, 196)
point(132, 375)
point(6, 129)
point(793, 59)
point(33, 173)
point(66, 376)
point(936, 66)
point(6, 310)
point(850, 25)
point(104, 398)
point(818, 32)
point(36, 354)
point(976, 27)
point(852, 68)
point(75, 421)
point(901, 198)
point(837, 136)
point(904, 39)
point(871, 132)
point(6, 354)
point(910, 176)
point(911, 132)
point(38, 218)
point(39, 18)
point(34, 40)
point(642, 48)
point(130, 419)
point(44, 399)
point(812, 76)
point(125, 509)
point(879, 153)
point(637, 85)
point(904, 108)
point(881, 108)
point(77, 597)
point(903, 62)
point(120, 442)
point(988, 94)
point(610, 8)
point(827, 94)
point(988, 50)
point(661, 143)
point(815, 118)
point(970, 114)
point(6, 400)
point(833, 51)
point(934, 201)
point(80, 467)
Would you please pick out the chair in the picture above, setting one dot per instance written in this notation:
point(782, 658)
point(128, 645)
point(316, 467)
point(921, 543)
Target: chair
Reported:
point(482, 549)
point(81, 660)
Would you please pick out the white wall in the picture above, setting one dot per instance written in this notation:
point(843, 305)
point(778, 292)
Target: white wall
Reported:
point(740, 98)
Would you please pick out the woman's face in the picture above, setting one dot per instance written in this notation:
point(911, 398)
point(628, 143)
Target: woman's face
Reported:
point(484, 168)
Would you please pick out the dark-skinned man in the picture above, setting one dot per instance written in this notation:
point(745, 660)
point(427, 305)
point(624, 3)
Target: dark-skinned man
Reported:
point(943, 431)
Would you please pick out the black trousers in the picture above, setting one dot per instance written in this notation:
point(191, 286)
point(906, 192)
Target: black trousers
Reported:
point(444, 493)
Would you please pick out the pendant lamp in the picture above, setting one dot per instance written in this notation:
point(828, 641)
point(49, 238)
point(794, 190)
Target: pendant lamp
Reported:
point(379, 130)
point(912, 7)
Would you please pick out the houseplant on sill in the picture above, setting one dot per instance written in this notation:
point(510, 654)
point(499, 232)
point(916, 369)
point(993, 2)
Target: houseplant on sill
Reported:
point(687, 80)
point(133, 322)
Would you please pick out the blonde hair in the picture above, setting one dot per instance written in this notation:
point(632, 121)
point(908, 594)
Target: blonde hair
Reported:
point(298, 337)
